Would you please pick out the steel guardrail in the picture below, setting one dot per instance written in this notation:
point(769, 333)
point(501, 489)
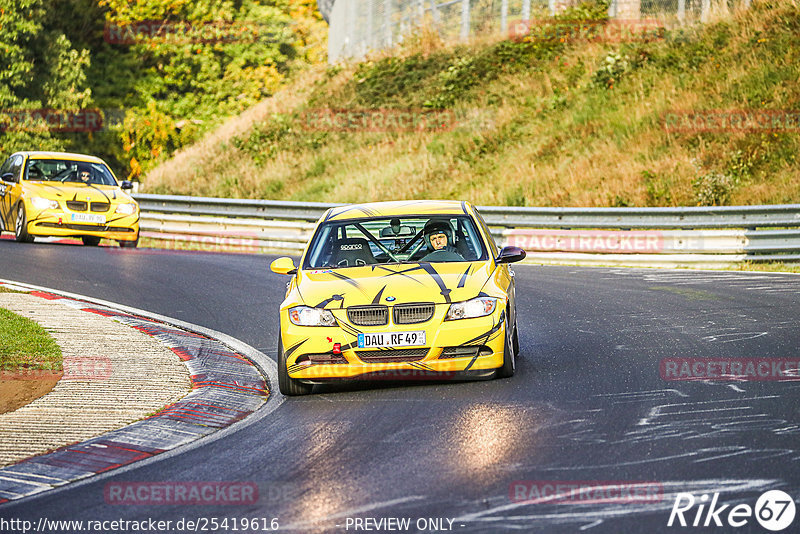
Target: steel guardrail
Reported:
point(640, 236)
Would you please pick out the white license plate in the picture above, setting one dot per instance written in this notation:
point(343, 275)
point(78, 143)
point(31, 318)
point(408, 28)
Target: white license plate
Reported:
point(392, 339)
point(89, 218)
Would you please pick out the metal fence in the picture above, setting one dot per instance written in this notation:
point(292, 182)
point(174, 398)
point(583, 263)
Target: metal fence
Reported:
point(663, 237)
point(360, 26)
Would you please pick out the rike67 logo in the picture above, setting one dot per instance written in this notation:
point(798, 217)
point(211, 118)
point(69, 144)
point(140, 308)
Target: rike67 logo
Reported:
point(774, 510)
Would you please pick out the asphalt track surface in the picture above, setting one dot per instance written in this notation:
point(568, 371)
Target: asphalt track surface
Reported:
point(588, 402)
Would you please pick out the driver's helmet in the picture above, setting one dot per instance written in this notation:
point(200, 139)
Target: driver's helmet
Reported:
point(437, 226)
point(84, 173)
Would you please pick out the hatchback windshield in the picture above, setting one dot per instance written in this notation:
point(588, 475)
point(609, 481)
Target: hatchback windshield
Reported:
point(417, 239)
point(59, 170)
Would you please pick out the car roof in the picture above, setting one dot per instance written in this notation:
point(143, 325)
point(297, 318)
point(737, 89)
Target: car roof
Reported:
point(63, 155)
point(398, 209)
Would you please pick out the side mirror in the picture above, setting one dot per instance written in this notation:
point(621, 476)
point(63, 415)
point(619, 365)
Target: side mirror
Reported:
point(8, 177)
point(283, 266)
point(126, 184)
point(510, 255)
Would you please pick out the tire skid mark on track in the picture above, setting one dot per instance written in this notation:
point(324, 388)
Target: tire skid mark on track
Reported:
point(226, 388)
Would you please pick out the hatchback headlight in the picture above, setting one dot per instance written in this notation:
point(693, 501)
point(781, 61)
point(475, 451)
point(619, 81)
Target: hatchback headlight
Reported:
point(305, 316)
point(126, 209)
point(44, 203)
point(468, 309)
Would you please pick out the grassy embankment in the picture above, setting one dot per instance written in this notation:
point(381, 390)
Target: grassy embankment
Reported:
point(24, 345)
point(539, 123)
point(30, 360)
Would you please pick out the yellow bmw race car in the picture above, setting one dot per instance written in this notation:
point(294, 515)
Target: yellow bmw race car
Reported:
point(398, 290)
point(53, 194)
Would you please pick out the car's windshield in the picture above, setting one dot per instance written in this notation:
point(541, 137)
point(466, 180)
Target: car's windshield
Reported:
point(61, 170)
point(419, 239)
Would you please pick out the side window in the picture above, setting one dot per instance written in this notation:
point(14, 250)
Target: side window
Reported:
point(6, 166)
point(16, 167)
point(489, 238)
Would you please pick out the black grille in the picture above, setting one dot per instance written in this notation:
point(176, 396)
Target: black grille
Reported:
point(100, 206)
point(387, 356)
point(368, 315)
point(91, 227)
point(464, 352)
point(322, 357)
point(412, 313)
point(77, 205)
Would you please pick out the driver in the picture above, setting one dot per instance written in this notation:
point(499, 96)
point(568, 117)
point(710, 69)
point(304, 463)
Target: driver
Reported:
point(84, 174)
point(439, 236)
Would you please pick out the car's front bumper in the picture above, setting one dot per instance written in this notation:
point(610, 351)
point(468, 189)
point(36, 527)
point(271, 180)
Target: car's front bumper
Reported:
point(483, 339)
point(59, 223)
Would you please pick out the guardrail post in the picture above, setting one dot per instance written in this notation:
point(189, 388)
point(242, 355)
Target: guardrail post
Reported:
point(705, 12)
point(526, 10)
point(387, 21)
point(370, 39)
point(464, 19)
point(504, 16)
point(435, 11)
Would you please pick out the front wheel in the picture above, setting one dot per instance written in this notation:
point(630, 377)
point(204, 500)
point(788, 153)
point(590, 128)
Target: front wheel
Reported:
point(21, 226)
point(129, 244)
point(90, 240)
point(286, 384)
point(509, 354)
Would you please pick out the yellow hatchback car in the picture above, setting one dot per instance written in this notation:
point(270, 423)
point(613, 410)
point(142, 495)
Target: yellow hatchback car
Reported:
point(54, 194)
point(398, 291)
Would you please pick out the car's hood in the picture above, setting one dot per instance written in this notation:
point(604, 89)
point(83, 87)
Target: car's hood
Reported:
point(393, 284)
point(75, 191)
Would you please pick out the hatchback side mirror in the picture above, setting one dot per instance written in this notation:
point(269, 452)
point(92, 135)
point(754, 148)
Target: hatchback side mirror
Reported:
point(126, 184)
point(8, 177)
point(283, 266)
point(510, 255)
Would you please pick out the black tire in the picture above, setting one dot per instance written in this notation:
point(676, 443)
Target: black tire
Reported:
point(21, 226)
point(129, 244)
point(516, 339)
point(287, 385)
point(509, 355)
point(90, 240)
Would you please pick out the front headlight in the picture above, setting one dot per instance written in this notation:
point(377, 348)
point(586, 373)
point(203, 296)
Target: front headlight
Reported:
point(305, 316)
point(126, 209)
point(477, 307)
point(44, 203)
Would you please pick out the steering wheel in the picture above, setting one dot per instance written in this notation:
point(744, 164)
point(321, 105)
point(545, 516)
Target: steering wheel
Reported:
point(442, 255)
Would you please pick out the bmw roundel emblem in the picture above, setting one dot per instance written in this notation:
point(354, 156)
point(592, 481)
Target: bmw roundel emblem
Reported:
point(390, 299)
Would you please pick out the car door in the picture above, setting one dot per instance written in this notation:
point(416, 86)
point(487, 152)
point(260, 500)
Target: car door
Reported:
point(13, 190)
point(9, 191)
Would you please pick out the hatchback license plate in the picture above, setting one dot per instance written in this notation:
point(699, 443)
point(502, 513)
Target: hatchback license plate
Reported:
point(392, 339)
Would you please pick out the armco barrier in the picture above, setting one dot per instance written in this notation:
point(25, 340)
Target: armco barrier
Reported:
point(688, 236)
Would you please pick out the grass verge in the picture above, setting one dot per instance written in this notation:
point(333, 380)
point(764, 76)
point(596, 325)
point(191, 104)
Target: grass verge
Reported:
point(24, 345)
